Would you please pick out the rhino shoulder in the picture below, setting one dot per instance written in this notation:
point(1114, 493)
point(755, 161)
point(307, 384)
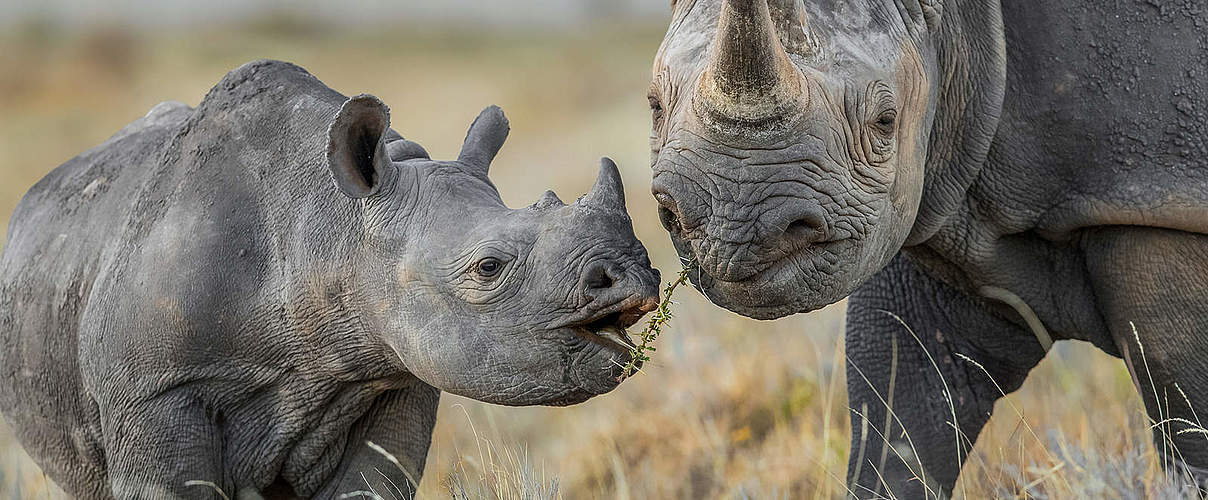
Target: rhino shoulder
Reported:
point(260, 81)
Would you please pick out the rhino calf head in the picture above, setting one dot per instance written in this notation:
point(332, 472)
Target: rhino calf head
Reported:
point(509, 306)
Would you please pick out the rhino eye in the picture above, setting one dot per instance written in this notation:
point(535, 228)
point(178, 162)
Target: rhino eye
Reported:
point(886, 121)
point(488, 267)
point(656, 111)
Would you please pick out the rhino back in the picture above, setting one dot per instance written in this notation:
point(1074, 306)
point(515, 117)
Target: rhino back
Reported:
point(59, 234)
point(180, 275)
point(205, 280)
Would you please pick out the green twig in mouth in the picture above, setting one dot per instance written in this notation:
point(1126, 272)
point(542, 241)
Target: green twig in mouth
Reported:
point(654, 327)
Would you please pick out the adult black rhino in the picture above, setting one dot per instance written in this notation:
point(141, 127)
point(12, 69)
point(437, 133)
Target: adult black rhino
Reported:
point(247, 292)
point(995, 175)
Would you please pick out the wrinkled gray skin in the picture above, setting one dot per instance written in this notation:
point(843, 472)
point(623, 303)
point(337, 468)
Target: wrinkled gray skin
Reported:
point(912, 153)
point(196, 299)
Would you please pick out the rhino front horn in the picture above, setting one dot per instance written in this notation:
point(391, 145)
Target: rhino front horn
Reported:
point(608, 192)
point(749, 78)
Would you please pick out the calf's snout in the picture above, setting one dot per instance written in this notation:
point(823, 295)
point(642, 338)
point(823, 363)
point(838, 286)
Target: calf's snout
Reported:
point(606, 282)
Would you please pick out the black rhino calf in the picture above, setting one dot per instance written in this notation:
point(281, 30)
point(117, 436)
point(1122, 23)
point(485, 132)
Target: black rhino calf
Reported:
point(195, 299)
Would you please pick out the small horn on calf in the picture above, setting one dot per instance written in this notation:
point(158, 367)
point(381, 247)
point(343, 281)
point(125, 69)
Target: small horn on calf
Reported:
point(548, 199)
point(749, 77)
point(608, 192)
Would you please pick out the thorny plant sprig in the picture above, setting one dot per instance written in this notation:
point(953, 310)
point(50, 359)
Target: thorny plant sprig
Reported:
point(654, 326)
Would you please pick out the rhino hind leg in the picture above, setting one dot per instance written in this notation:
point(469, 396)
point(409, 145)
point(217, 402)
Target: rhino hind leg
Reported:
point(908, 337)
point(1152, 288)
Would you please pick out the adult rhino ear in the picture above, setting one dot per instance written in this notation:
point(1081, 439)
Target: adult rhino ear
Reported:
point(484, 139)
point(356, 150)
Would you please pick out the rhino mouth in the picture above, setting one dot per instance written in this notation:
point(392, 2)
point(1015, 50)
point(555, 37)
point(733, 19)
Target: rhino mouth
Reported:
point(600, 346)
point(801, 281)
point(608, 326)
point(609, 330)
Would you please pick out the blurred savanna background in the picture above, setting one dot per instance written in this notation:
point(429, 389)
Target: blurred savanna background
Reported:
point(728, 408)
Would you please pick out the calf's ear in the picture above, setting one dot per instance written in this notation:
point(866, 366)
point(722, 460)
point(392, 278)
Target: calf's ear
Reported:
point(356, 149)
point(483, 140)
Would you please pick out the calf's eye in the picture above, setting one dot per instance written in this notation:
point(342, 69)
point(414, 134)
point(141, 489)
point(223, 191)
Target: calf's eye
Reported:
point(489, 267)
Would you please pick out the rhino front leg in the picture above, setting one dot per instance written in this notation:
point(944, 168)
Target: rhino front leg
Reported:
point(153, 449)
point(400, 423)
point(904, 333)
point(1152, 288)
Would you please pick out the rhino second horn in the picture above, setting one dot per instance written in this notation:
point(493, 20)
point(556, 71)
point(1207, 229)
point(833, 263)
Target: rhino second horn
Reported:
point(608, 192)
point(749, 78)
point(792, 24)
point(548, 199)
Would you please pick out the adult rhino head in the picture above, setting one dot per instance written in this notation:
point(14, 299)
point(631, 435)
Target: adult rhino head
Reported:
point(509, 306)
point(798, 145)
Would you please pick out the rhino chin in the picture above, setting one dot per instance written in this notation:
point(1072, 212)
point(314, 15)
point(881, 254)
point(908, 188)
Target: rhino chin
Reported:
point(779, 291)
point(748, 299)
point(598, 369)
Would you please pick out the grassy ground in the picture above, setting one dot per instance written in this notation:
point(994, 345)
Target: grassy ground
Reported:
point(729, 407)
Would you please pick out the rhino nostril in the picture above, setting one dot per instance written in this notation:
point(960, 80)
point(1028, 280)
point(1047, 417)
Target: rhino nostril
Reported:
point(668, 211)
point(669, 220)
point(808, 226)
point(598, 277)
point(802, 227)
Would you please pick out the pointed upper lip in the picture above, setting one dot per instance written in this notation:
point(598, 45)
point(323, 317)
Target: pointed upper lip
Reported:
point(610, 334)
point(629, 310)
point(608, 324)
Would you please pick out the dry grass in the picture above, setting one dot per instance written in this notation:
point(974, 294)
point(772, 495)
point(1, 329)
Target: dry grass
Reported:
point(729, 408)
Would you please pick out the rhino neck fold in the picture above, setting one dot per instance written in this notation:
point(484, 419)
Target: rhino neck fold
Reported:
point(970, 42)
